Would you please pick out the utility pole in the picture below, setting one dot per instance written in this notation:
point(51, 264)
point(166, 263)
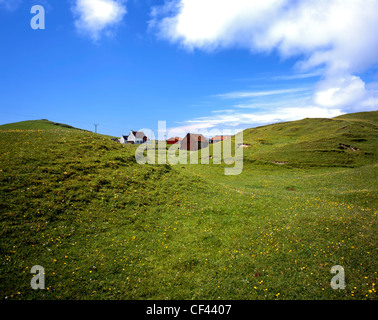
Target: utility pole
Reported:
point(96, 125)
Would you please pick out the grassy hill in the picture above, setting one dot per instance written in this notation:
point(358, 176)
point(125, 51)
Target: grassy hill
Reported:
point(105, 227)
point(349, 140)
point(35, 125)
point(361, 116)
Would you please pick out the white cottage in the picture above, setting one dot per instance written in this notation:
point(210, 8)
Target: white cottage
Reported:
point(135, 137)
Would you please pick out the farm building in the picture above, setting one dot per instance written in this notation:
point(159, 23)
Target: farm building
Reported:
point(219, 138)
point(194, 142)
point(174, 140)
point(135, 137)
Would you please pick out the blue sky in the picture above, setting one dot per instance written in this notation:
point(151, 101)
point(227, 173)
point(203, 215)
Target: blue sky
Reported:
point(198, 65)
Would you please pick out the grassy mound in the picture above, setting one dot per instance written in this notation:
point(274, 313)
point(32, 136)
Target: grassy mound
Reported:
point(36, 125)
point(364, 116)
point(346, 141)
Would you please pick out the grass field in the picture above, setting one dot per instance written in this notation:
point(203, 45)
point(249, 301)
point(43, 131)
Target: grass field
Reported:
point(105, 227)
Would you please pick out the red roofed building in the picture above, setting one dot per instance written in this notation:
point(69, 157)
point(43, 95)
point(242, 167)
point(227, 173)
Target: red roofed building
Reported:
point(194, 142)
point(174, 140)
point(219, 138)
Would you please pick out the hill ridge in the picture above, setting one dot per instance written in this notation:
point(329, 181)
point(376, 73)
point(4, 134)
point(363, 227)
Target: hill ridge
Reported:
point(41, 124)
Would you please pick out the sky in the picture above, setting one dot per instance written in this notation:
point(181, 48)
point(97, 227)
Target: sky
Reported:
point(199, 65)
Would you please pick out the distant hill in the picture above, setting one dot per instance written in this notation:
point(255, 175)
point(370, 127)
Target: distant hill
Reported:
point(346, 140)
point(42, 124)
point(367, 116)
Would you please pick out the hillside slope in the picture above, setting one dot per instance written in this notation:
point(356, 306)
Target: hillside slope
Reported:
point(366, 116)
point(349, 140)
point(42, 124)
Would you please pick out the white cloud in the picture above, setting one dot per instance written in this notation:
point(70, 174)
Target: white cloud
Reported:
point(251, 94)
point(243, 120)
point(299, 76)
point(332, 32)
point(337, 36)
point(98, 17)
point(340, 92)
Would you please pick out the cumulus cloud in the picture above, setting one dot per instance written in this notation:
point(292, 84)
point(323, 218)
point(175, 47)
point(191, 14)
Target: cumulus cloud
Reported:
point(340, 92)
point(98, 17)
point(335, 36)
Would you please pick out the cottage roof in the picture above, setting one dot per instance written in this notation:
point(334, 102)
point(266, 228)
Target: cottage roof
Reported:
point(220, 137)
point(138, 134)
point(175, 139)
point(196, 137)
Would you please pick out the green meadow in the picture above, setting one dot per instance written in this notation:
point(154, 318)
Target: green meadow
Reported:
point(105, 227)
